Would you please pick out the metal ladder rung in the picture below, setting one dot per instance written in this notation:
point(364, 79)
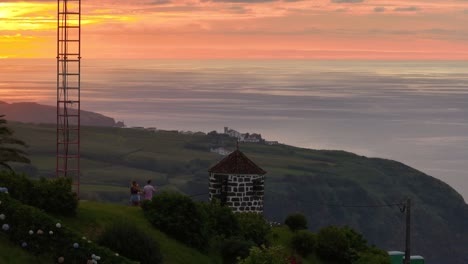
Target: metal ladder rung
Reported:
point(68, 101)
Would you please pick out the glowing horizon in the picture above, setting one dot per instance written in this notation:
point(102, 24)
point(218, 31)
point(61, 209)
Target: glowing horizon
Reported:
point(245, 29)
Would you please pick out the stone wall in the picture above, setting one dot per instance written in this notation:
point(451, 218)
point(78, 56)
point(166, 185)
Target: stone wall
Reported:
point(243, 193)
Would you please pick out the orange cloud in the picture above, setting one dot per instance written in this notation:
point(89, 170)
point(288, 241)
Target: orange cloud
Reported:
point(245, 29)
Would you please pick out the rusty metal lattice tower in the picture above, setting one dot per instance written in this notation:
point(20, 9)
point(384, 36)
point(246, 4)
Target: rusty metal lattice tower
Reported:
point(68, 90)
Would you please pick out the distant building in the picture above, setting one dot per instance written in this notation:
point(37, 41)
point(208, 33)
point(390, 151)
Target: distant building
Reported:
point(252, 138)
point(232, 132)
point(238, 183)
point(221, 151)
point(271, 142)
point(246, 137)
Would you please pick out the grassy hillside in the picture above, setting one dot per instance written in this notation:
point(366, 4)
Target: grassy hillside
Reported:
point(93, 217)
point(304, 180)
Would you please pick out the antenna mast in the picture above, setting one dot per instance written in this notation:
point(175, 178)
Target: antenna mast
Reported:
point(68, 90)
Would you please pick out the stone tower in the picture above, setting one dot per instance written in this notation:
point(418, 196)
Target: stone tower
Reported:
point(238, 183)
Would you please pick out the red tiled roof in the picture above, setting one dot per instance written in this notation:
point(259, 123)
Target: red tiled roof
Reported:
point(236, 163)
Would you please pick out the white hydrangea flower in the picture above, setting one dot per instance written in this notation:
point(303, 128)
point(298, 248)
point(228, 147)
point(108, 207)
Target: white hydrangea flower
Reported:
point(94, 261)
point(24, 244)
point(84, 238)
point(5, 227)
point(58, 225)
point(89, 241)
point(2, 217)
point(76, 245)
point(93, 256)
point(117, 254)
point(51, 232)
point(31, 232)
point(98, 258)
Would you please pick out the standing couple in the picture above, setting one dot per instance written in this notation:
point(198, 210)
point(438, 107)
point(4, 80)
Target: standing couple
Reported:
point(135, 192)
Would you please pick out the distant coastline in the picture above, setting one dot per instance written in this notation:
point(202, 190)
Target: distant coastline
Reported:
point(31, 112)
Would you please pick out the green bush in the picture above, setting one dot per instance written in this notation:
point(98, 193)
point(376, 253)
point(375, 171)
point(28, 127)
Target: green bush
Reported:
point(341, 244)
point(41, 234)
point(179, 217)
point(19, 186)
point(125, 238)
point(373, 255)
point(221, 221)
point(52, 195)
point(55, 196)
point(332, 245)
point(254, 227)
point(303, 242)
point(271, 255)
point(296, 221)
point(233, 248)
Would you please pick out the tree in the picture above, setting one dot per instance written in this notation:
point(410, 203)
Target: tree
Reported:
point(296, 221)
point(8, 146)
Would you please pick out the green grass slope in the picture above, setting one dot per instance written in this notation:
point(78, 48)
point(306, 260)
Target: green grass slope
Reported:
point(92, 218)
point(304, 180)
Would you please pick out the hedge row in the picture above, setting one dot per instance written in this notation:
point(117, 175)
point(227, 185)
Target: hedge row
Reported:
point(41, 234)
point(52, 195)
point(198, 223)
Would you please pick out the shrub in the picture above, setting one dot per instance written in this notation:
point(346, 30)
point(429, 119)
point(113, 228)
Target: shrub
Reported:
point(296, 222)
point(254, 227)
point(129, 241)
point(221, 221)
point(52, 195)
point(55, 196)
point(179, 217)
point(373, 255)
point(303, 242)
point(340, 244)
point(233, 248)
point(19, 186)
point(272, 255)
point(332, 245)
point(22, 219)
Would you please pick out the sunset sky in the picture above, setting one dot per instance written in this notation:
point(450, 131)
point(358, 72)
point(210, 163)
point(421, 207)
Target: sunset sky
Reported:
point(275, 29)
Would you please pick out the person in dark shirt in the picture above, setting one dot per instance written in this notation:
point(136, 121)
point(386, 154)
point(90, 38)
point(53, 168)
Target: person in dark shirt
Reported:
point(135, 194)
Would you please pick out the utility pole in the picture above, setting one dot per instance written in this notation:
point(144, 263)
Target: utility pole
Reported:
point(408, 232)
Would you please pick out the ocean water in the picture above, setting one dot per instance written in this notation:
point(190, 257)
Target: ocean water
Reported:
point(413, 112)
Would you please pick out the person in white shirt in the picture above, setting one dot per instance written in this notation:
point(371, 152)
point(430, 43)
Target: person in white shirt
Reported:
point(148, 190)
